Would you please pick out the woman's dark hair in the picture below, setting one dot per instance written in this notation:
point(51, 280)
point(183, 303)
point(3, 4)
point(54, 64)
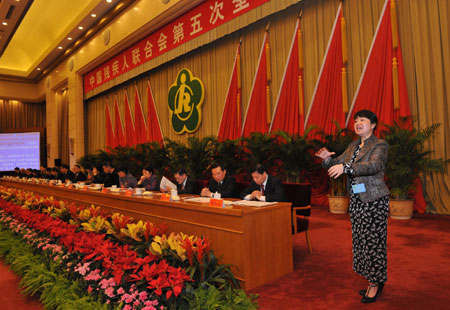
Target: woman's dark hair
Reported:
point(123, 169)
point(149, 169)
point(369, 115)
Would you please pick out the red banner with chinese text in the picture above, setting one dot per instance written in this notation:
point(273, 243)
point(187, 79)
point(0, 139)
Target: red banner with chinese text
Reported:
point(201, 19)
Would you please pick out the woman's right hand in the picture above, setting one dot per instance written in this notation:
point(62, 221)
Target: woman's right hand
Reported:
point(324, 153)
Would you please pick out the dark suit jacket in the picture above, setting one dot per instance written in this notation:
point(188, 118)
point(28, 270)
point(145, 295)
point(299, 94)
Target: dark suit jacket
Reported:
point(273, 191)
point(111, 179)
point(227, 189)
point(79, 177)
point(189, 188)
point(68, 176)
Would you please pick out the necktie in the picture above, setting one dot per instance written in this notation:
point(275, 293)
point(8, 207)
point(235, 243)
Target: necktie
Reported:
point(262, 189)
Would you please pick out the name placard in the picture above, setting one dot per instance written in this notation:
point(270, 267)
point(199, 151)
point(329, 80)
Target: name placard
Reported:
point(165, 197)
point(85, 188)
point(217, 203)
point(105, 190)
point(70, 186)
point(129, 193)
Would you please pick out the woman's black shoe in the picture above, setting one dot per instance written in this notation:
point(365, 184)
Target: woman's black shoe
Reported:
point(380, 288)
point(368, 300)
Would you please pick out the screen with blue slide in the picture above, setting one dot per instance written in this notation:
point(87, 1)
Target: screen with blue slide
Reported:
point(19, 150)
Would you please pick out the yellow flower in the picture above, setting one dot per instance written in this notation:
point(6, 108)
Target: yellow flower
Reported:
point(95, 224)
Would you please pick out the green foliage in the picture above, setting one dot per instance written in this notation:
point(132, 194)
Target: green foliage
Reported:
point(210, 297)
point(408, 156)
point(296, 154)
point(230, 153)
point(39, 276)
point(261, 149)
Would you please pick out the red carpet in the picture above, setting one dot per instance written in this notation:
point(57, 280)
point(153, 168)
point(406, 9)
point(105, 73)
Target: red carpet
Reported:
point(10, 296)
point(418, 267)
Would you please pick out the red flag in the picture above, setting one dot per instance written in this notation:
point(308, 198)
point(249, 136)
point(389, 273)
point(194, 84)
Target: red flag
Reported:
point(289, 109)
point(258, 109)
point(130, 133)
point(328, 103)
point(118, 133)
point(382, 87)
point(139, 121)
point(154, 128)
point(110, 139)
point(230, 124)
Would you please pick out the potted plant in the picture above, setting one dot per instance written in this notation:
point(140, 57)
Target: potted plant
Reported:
point(296, 155)
point(338, 142)
point(407, 158)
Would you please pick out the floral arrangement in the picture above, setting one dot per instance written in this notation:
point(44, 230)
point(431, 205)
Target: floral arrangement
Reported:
point(123, 263)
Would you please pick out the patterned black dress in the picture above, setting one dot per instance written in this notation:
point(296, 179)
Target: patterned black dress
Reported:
point(369, 232)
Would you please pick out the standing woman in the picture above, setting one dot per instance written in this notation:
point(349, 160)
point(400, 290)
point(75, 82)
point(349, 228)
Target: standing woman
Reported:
point(364, 162)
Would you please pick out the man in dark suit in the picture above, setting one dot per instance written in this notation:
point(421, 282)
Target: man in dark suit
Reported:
point(79, 175)
point(220, 183)
point(264, 187)
point(66, 174)
point(185, 183)
point(111, 177)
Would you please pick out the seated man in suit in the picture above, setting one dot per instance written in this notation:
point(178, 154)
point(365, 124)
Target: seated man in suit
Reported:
point(220, 183)
point(79, 175)
point(66, 174)
point(264, 187)
point(111, 177)
point(185, 183)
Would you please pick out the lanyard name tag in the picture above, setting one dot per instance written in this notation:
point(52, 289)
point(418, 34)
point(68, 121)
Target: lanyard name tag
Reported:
point(358, 188)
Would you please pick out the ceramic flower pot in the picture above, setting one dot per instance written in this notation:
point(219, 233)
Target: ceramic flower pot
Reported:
point(401, 209)
point(338, 204)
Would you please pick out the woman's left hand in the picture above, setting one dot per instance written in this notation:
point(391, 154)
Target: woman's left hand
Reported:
point(336, 170)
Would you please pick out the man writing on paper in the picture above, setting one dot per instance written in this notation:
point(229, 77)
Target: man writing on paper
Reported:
point(264, 187)
point(220, 183)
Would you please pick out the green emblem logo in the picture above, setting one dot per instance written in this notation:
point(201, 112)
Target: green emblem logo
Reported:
point(186, 97)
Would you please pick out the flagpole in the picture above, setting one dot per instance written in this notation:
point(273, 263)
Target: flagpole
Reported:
point(284, 75)
point(253, 86)
point(323, 65)
point(365, 65)
point(394, 29)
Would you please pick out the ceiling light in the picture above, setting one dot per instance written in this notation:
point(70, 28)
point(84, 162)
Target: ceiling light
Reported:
point(93, 15)
point(38, 69)
point(69, 38)
point(60, 47)
point(80, 27)
point(5, 23)
point(109, 1)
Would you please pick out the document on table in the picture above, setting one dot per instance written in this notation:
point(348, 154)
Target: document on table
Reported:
point(198, 199)
point(253, 203)
point(166, 184)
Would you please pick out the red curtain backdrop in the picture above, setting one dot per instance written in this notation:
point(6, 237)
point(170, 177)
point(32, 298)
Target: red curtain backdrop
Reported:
point(327, 103)
point(154, 128)
point(130, 132)
point(256, 116)
point(376, 86)
point(139, 121)
point(382, 80)
point(289, 109)
point(230, 124)
point(110, 139)
point(118, 133)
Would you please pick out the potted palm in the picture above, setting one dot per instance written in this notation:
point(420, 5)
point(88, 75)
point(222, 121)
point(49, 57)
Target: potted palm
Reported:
point(338, 142)
point(296, 153)
point(407, 158)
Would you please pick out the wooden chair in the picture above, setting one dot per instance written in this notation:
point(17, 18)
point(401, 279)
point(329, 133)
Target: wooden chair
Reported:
point(300, 197)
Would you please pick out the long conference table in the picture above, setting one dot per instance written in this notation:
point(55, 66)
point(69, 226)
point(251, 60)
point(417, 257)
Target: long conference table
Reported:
point(256, 241)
